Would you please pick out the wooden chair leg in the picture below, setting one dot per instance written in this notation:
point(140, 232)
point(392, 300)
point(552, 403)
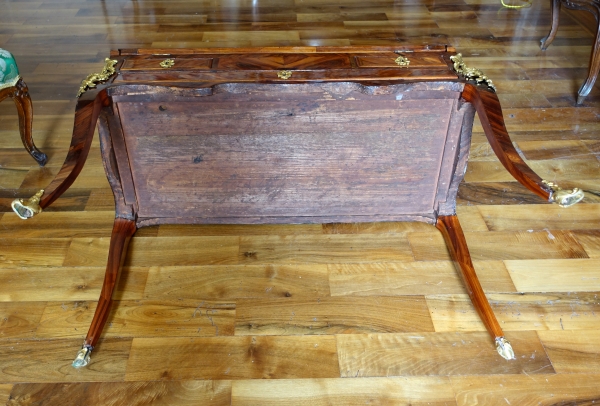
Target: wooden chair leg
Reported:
point(594, 67)
point(20, 95)
point(122, 232)
point(488, 108)
point(547, 40)
point(86, 116)
point(450, 228)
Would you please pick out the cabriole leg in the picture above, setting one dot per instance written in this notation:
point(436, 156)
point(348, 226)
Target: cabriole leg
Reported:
point(86, 115)
point(457, 245)
point(547, 40)
point(490, 114)
point(122, 232)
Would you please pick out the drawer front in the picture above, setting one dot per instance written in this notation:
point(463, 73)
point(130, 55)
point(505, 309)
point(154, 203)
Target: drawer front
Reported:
point(174, 63)
point(415, 60)
point(284, 61)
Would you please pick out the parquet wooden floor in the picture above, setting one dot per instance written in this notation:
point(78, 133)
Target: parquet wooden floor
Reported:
point(309, 314)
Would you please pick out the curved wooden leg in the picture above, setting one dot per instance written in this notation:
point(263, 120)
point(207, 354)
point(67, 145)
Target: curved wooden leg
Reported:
point(122, 232)
point(488, 108)
point(457, 245)
point(547, 40)
point(25, 109)
point(86, 116)
point(586, 88)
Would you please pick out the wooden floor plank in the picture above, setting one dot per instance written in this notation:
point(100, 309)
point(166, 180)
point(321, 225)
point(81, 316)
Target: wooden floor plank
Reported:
point(413, 278)
point(160, 393)
point(565, 275)
point(247, 357)
point(502, 245)
point(518, 312)
point(157, 251)
point(50, 361)
point(324, 249)
point(548, 217)
point(20, 320)
point(438, 354)
point(339, 315)
point(435, 391)
point(33, 251)
point(237, 281)
point(546, 390)
point(573, 352)
point(67, 283)
point(58, 225)
point(140, 318)
point(5, 390)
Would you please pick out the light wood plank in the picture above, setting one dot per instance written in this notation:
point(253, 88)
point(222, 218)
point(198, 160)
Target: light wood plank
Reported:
point(67, 283)
point(560, 275)
point(5, 390)
point(165, 393)
point(413, 278)
point(140, 319)
point(590, 240)
point(518, 312)
point(50, 361)
point(33, 252)
point(324, 249)
point(530, 389)
point(233, 358)
point(237, 281)
point(453, 353)
point(59, 225)
point(573, 352)
point(435, 391)
point(502, 245)
point(157, 251)
point(340, 315)
point(20, 319)
point(548, 217)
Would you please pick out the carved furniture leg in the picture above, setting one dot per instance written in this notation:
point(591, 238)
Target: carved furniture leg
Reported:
point(547, 40)
point(20, 95)
point(122, 232)
point(488, 109)
point(457, 245)
point(86, 115)
point(594, 68)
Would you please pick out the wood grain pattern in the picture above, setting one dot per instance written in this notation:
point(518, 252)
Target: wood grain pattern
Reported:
point(369, 355)
point(187, 393)
point(339, 315)
point(518, 312)
point(526, 390)
point(321, 392)
point(572, 353)
point(249, 357)
point(226, 282)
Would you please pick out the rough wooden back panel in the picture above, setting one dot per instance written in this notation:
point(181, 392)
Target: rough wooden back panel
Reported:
point(268, 153)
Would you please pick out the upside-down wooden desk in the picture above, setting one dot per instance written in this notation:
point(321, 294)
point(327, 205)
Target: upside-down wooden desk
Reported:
point(287, 135)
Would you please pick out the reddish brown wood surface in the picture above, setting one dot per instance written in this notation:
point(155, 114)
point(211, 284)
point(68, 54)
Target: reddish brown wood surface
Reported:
point(122, 232)
point(450, 228)
point(86, 115)
point(490, 114)
point(313, 152)
point(20, 95)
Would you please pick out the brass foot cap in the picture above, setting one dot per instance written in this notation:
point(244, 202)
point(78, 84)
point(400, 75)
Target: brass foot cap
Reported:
point(83, 357)
point(28, 208)
point(504, 348)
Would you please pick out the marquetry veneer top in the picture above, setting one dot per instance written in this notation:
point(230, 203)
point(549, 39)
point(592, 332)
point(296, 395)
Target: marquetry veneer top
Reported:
point(302, 64)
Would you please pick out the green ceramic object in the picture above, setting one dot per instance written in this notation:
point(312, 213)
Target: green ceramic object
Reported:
point(9, 73)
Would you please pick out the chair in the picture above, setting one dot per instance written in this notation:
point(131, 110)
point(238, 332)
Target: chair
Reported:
point(11, 85)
